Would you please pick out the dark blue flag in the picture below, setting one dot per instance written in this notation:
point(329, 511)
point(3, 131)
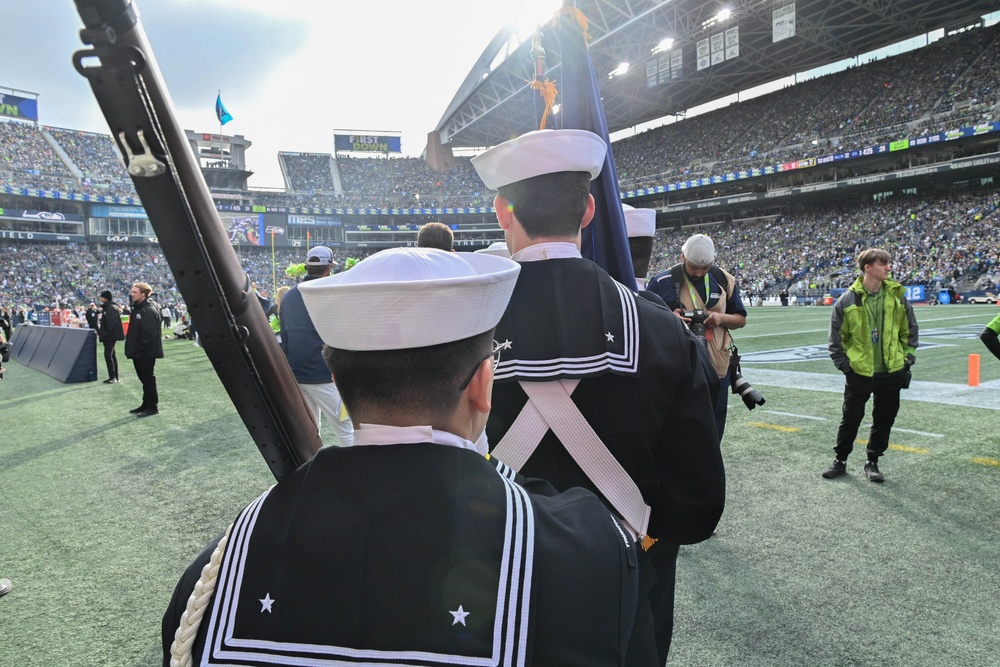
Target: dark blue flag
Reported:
point(605, 240)
point(220, 111)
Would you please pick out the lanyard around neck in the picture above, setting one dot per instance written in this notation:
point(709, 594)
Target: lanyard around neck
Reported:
point(694, 292)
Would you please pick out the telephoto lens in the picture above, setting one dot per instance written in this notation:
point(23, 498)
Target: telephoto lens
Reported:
point(751, 397)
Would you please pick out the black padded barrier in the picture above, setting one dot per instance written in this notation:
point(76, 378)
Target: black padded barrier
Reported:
point(68, 354)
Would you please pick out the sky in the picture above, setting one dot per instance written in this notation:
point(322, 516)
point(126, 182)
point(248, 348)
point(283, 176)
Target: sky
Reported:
point(289, 72)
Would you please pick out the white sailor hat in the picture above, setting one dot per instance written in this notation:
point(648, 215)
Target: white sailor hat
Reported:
point(498, 248)
point(405, 298)
point(541, 152)
point(699, 250)
point(639, 221)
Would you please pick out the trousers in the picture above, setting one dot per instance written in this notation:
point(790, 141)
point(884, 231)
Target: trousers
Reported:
point(324, 400)
point(858, 389)
point(144, 370)
point(111, 359)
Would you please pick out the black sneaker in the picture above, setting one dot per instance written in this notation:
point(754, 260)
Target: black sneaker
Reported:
point(137, 410)
point(873, 473)
point(836, 469)
point(148, 412)
point(111, 381)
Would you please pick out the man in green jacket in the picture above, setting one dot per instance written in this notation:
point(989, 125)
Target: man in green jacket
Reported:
point(873, 335)
point(991, 336)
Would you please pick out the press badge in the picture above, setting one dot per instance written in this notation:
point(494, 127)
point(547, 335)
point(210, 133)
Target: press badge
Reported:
point(874, 335)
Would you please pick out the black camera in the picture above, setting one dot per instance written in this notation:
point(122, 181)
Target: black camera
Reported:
point(697, 323)
point(740, 385)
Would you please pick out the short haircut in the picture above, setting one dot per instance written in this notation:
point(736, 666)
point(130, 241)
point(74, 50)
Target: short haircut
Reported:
point(318, 270)
point(871, 256)
point(418, 381)
point(144, 288)
point(641, 248)
point(550, 204)
point(436, 235)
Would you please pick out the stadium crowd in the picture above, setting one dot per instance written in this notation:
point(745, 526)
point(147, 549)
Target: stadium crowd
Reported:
point(41, 275)
point(941, 87)
point(947, 240)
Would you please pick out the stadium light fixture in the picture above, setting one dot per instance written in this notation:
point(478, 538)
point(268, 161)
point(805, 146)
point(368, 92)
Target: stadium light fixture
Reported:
point(723, 15)
point(664, 45)
point(618, 71)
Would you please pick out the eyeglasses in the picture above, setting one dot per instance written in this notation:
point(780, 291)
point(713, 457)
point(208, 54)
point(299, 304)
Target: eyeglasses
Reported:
point(496, 361)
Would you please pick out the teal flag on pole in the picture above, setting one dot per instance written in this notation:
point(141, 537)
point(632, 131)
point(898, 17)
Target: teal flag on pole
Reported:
point(220, 110)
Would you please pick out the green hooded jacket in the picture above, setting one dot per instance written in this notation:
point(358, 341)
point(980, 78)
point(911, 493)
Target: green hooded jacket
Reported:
point(850, 337)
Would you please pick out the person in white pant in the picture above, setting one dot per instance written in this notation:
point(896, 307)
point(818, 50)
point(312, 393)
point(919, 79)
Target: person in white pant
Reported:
point(304, 349)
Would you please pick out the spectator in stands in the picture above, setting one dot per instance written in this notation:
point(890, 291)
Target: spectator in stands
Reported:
point(696, 285)
point(144, 345)
point(109, 332)
point(873, 335)
point(303, 347)
point(436, 235)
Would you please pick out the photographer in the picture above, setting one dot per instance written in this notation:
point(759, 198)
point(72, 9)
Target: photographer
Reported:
point(708, 300)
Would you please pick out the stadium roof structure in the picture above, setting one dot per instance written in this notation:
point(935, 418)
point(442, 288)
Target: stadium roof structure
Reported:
point(495, 103)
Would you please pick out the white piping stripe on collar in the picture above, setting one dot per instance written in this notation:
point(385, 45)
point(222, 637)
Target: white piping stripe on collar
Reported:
point(510, 633)
point(628, 362)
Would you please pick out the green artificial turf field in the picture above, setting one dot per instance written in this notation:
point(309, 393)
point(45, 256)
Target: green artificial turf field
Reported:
point(100, 511)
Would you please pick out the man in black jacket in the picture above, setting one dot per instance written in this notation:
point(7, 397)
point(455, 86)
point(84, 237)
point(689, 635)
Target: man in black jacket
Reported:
point(144, 345)
point(109, 332)
point(633, 372)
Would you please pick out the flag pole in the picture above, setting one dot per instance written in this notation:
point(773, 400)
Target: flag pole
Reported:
point(274, 274)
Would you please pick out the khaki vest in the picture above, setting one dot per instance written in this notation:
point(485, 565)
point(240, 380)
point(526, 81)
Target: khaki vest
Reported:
point(718, 338)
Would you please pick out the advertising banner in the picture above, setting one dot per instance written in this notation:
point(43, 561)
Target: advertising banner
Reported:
point(13, 106)
point(21, 214)
point(42, 236)
point(119, 212)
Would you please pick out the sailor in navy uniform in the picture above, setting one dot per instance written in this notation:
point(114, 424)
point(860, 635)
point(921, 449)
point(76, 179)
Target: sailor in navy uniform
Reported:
point(640, 385)
point(411, 547)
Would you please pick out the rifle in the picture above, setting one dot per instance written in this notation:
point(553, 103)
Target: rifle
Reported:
point(232, 327)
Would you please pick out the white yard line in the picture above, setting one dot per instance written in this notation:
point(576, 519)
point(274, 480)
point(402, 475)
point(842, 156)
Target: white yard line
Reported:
point(792, 414)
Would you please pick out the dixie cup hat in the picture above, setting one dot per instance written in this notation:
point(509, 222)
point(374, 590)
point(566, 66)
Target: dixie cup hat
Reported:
point(405, 298)
point(541, 152)
point(639, 221)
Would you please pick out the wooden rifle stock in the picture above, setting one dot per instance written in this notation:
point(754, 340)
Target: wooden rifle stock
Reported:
point(231, 324)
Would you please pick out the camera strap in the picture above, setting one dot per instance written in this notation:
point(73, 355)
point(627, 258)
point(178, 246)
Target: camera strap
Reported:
point(549, 406)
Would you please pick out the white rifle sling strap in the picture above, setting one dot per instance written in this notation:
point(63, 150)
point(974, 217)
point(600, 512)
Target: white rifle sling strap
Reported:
point(549, 406)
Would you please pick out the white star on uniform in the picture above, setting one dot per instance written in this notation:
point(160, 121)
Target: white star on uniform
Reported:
point(506, 345)
point(265, 603)
point(610, 336)
point(459, 616)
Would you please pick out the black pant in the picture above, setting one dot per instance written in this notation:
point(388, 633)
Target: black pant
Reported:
point(661, 595)
point(144, 369)
point(858, 390)
point(111, 359)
